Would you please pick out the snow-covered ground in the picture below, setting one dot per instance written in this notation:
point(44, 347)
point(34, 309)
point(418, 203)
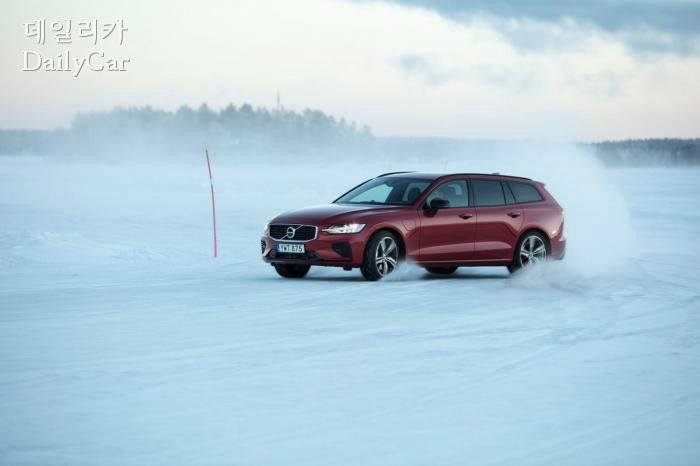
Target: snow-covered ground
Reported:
point(123, 342)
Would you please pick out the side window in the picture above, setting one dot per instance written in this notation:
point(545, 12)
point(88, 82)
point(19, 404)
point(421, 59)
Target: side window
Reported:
point(455, 192)
point(509, 194)
point(524, 192)
point(413, 191)
point(488, 193)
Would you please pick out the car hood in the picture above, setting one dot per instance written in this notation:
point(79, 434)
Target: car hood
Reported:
point(327, 214)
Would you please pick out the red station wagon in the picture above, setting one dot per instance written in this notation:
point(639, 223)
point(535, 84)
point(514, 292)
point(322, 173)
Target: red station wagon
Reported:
point(440, 222)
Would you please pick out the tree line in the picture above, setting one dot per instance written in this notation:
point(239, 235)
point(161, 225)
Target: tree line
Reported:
point(244, 129)
point(649, 152)
point(246, 132)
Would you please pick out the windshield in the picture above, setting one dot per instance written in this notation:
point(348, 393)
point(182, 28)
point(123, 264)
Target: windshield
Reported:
point(386, 191)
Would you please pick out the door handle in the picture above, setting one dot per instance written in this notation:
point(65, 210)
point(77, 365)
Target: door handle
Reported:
point(514, 214)
point(465, 216)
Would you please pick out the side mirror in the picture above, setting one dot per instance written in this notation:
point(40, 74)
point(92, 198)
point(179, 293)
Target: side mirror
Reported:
point(437, 204)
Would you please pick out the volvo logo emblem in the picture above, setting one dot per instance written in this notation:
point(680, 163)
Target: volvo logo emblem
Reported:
point(290, 233)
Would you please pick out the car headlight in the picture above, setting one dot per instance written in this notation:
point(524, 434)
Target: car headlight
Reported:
point(266, 230)
point(347, 228)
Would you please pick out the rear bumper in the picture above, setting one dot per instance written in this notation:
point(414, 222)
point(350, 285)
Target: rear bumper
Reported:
point(558, 247)
point(325, 250)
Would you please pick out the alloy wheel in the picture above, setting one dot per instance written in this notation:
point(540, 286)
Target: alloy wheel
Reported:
point(386, 256)
point(532, 251)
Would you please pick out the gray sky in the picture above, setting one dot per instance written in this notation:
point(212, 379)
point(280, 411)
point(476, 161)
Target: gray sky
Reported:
point(602, 69)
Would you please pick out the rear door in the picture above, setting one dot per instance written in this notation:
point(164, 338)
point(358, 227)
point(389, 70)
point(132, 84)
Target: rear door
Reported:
point(498, 220)
point(448, 234)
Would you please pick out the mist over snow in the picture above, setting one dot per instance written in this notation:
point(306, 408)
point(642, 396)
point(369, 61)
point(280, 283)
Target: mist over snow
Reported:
point(254, 186)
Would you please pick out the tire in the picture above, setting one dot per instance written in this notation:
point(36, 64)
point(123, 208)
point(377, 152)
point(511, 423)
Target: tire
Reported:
point(441, 270)
point(382, 256)
point(531, 249)
point(292, 270)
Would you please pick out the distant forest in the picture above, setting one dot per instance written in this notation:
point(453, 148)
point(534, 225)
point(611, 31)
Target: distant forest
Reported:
point(255, 132)
point(649, 152)
point(125, 132)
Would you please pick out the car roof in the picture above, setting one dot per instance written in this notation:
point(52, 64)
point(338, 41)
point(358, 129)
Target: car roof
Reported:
point(437, 176)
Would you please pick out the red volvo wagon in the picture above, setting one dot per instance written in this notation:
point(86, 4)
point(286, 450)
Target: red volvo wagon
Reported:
point(440, 222)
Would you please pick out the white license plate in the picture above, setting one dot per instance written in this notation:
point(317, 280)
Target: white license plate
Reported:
point(292, 248)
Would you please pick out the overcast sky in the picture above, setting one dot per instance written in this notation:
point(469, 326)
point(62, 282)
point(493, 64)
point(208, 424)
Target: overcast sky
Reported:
point(584, 70)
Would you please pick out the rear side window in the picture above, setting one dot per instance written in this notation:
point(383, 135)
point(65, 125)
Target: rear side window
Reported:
point(524, 192)
point(509, 194)
point(488, 193)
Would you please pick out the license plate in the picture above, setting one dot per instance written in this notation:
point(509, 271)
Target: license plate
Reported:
point(291, 248)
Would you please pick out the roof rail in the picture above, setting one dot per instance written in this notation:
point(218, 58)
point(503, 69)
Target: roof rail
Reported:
point(392, 173)
point(484, 174)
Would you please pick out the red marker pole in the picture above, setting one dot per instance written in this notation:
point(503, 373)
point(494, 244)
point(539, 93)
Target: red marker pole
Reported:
point(213, 204)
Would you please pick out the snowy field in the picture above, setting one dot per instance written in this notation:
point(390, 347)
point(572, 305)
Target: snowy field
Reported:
point(123, 342)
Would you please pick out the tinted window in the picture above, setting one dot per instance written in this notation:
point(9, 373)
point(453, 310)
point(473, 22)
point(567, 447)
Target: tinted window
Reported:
point(386, 190)
point(488, 192)
point(509, 194)
point(454, 192)
point(524, 192)
point(413, 191)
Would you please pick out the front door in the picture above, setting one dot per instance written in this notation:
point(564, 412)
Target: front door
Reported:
point(447, 235)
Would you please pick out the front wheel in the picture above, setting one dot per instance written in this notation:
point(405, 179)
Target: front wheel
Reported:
point(531, 249)
point(292, 270)
point(381, 256)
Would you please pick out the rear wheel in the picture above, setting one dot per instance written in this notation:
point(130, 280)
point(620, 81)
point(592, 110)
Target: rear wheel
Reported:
point(381, 256)
point(292, 270)
point(441, 270)
point(532, 249)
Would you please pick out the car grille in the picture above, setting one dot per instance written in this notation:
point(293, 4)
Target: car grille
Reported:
point(283, 232)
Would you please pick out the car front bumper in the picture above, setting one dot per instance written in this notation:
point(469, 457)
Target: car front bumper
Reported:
point(326, 250)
